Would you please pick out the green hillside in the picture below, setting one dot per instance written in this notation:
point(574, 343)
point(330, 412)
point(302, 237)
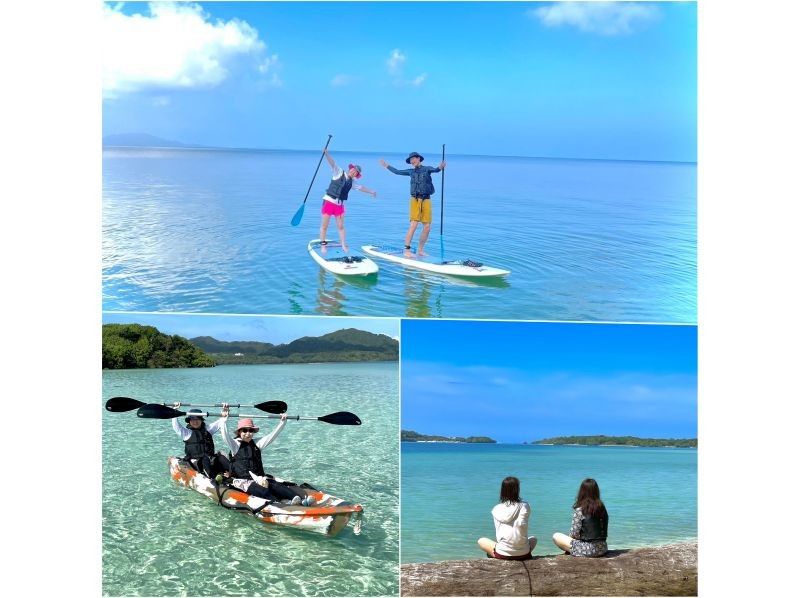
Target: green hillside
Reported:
point(132, 346)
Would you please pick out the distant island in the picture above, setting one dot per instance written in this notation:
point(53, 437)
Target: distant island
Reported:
point(348, 344)
point(410, 436)
point(620, 441)
point(133, 346)
point(144, 140)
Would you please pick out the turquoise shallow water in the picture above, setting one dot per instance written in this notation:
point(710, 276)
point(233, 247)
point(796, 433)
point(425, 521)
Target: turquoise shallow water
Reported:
point(450, 489)
point(208, 231)
point(160, 539)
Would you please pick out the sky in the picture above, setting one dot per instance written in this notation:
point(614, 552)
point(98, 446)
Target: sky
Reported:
point(266, 329)
point(524, 381)
point(601, 80)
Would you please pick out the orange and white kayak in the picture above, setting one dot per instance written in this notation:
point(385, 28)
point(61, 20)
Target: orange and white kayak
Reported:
point(328, 516)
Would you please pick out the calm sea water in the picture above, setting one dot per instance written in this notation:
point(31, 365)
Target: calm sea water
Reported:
point(450, 489)
point(160, 539)
point(208, 231)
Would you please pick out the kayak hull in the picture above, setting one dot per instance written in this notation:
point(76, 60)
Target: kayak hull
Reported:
point(461, 268)
point(335, 260)
point(328, 517)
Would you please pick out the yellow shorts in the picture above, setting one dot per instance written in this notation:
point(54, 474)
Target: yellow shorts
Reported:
point(419, 210)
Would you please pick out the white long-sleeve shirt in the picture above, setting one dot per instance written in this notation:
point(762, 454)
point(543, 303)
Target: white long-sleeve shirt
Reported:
point(233, 443)
point(511, 526)
point(186, 433)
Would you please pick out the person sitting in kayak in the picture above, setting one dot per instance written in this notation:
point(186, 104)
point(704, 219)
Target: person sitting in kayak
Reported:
point(199, 442)
point(589, 529)
point(246, 458)
point(336, 195)
point(511, 517)
point(420, 203)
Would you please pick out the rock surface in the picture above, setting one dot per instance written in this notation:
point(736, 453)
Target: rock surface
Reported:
point(669, 570)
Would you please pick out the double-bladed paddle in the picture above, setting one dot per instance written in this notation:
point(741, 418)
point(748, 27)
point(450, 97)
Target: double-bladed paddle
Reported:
point(298, 215)
point(122, 404)
point(340, 418)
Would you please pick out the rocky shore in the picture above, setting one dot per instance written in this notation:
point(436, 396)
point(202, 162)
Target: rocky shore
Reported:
point(669, 570)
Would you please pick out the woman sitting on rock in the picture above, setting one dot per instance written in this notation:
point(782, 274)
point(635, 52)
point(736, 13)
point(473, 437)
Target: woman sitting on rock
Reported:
point(511, 526)
point(589, 530)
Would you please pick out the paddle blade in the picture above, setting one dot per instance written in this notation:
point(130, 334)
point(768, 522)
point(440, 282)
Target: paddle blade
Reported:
point(298, 215)
point(341, 418)
point(154, 411)
point(122, 404)
point(272, 407)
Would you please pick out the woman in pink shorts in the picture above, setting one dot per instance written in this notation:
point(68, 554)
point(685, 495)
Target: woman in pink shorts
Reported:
point(333, 200)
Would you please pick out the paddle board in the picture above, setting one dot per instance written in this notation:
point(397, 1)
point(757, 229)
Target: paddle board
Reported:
point(334, 259)
point(465, 268)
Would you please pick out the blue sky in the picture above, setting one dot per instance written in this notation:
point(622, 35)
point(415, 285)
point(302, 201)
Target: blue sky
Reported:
point(580, 80)
point(267, 329)
point(523, 381)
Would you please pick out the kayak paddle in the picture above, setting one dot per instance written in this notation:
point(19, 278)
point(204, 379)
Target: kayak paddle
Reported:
point(298, 215)
point(441, 215)
point(340, 418)
point(122, 404)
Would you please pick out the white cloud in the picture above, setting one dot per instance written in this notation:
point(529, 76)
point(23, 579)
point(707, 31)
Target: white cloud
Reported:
point(396, 64)
point(174, 45)
point(604, 18)
point(342, 80)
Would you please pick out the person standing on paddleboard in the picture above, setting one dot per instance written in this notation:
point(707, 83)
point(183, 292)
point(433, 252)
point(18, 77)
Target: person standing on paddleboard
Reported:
point(511, 517)
point(333, 200)
point(420, 203)
point(246, 460)
point(199, 442)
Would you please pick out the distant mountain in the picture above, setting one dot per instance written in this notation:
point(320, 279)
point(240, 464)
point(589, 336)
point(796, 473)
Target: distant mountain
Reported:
point(348, 344)
point(133, 346)
point(620, 441)
point(141, 140)
point(411, 436)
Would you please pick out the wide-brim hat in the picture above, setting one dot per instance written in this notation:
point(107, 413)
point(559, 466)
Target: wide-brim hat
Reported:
point(414, 155)
point(358, 169)
point(194, 413)
point(246, 422)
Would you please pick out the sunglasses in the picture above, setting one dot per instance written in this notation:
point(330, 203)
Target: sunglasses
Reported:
point(245, 430)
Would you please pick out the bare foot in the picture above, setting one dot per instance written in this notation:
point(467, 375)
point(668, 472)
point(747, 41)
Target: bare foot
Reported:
point(345, 248)
point(421, 253)
point(323, 248)
point(407, 253)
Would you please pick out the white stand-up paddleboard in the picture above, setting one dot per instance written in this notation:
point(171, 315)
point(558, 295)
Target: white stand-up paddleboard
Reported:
point(334, 259)
point(466, 268)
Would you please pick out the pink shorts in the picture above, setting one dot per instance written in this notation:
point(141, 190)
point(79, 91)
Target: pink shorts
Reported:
point(332, 209)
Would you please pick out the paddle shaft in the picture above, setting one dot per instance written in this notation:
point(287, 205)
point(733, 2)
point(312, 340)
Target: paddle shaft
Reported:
point(294, 417)
point(317, 170)
point(441, 207)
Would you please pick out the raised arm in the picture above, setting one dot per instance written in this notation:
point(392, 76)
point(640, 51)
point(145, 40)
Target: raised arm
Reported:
point(330, 159)
point(180, 429)
point(272, 435)
point(385, 164)
point(233, 446)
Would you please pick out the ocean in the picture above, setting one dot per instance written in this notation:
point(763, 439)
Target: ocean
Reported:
point(589, 240)
point(161, 539)
point(449, 491)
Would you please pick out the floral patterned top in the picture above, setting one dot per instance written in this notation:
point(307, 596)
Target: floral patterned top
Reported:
point(581, 547)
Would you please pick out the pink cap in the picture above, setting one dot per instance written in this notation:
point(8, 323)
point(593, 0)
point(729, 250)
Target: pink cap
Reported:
point(245, 422)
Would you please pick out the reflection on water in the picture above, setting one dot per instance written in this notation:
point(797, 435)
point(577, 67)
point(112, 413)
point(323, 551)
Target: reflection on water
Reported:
point(584, 240)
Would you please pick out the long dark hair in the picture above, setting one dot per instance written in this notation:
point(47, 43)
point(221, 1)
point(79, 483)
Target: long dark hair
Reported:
point(509, 490)
point(588, 499)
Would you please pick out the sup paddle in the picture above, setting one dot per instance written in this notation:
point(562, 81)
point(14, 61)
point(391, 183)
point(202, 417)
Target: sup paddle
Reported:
point(298, 215)
point(441, 214)
point(122, 404)
point(340, 418)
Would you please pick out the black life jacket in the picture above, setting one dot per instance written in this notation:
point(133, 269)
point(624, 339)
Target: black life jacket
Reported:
point(247, 459)
point(200, 443)
point(594, 528)
point(340, 188)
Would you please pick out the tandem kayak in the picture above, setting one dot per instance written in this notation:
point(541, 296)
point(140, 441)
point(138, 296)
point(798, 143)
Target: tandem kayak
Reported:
point(328, 516)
